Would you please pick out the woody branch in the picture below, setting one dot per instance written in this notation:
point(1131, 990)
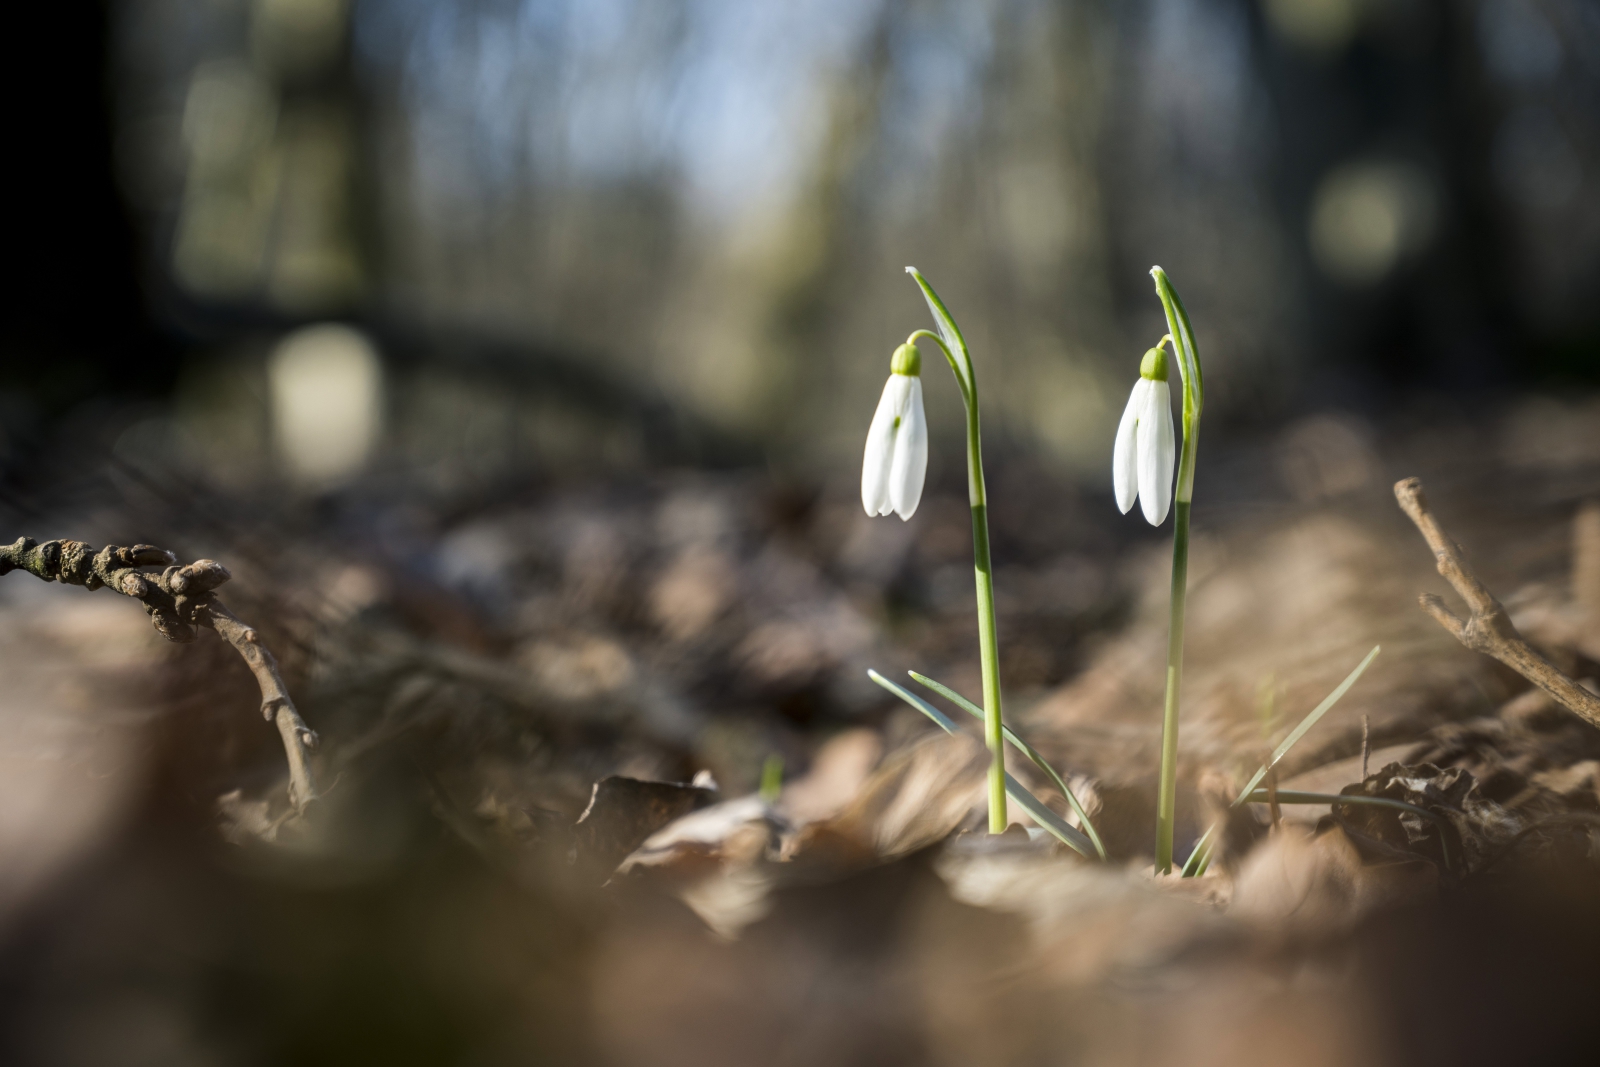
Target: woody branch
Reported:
point(1487, 628)
point(180, 600)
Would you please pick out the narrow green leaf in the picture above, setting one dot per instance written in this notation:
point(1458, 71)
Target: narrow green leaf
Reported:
point(1300, 796)
point(1055, 824)
point(1023, 747)
point(1198, 862)
point(1307, 723)
point(947, 329)
point(772, 778)
point(1200, 857)
point(1182, 336)
point(1295, 796)
point(1064, 832)
point(943, 721)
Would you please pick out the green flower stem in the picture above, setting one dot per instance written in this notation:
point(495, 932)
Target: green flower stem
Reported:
point(1049, 820)
point(1193, 398)
point(977, 496)
point(988, 651)
point(1166, 797)
point(1027, 750)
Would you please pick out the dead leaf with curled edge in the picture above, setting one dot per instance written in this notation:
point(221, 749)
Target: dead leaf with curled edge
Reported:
point(622, 813)
point(1477, 826)
point(714, 861)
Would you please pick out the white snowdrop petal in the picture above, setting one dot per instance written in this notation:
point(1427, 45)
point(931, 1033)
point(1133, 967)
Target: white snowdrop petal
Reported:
point(1124, 459)
point(910, 454)
point(1168, 449)
point(879, 456)
point(1155, 454)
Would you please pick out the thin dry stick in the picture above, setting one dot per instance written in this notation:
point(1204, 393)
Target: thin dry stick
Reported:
point(178, 600)
point(1272, 795)
point(1366, 744)
point(1488, 628)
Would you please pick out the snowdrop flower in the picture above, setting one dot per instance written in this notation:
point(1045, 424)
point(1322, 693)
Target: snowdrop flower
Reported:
point(897, 444)
point(1141, 464)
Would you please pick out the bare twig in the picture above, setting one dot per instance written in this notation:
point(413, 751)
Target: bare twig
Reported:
point(1366, 744)
point(1272, 796)
point(1487, 628)
point(178, 601)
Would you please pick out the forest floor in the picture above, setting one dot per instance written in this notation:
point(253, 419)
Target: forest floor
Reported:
point(545, 714)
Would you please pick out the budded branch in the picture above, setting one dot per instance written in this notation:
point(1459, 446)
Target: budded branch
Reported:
point(180, 601)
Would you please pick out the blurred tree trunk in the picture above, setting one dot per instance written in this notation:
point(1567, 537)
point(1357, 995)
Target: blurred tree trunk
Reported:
point(75, 316)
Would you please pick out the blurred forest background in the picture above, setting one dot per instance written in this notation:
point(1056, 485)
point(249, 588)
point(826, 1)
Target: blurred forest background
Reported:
point(601, 235)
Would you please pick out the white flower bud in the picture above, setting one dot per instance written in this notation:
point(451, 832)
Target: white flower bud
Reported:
point(896, 460)
point(1144, 456)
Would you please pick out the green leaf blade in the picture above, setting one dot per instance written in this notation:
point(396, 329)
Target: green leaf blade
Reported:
point(1200, 858)
point(1026, 749)
point(948, 330)
point(1182, 336)
point(1049, 820)
point(943, 721)
point(1308, 722)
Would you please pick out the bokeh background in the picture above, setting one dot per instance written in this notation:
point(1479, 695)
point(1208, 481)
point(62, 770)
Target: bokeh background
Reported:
point(576, 234)
point(517, 356)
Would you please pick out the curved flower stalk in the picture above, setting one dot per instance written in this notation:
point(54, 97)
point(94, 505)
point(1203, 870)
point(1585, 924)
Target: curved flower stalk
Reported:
point(891, 480)
point(1141, 464)
point(896, 460)
point(1188, 359)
